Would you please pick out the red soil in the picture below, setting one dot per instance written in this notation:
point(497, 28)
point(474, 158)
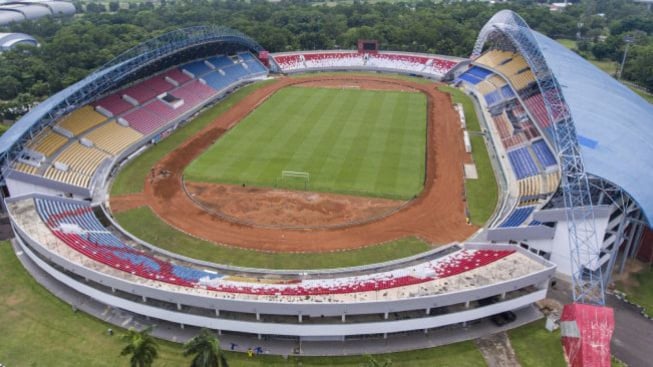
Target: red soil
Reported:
point(266, 207)
point(437, 215)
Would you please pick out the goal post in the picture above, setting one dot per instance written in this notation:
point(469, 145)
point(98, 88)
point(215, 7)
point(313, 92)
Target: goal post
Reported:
point(295, 179)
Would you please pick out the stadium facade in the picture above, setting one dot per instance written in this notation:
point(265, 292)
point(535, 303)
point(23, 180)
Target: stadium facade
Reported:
point(57, 160)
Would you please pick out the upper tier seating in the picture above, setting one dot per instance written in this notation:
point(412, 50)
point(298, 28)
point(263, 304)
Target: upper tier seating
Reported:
point(47, 142)
point(522, 80)
point(197, 68)
point(113, 138)
point(158, 84)
point(543, 153)
point(493, 58)
point(25, 168)
point(517, 217)
point(522, 163)
point(221, 61)
point(81, 120)
point(141, 92)
point(176, 75)
point(81, 159)
point(114, 104)
point(423, 64)
point(76, 226)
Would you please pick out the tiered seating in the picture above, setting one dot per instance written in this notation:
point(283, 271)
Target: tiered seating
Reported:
point(503, 125)
point(81, 159)
point(76, 226)
point(517, 217)
point(197, 68)
point(113, 138)
point(507, 92)
point(522, 80)
point(25, 168)
point(522, 163)
point(543, 153)
point(485, 87)
point(530, 186)
point(493, 58)
point(202, 91)
point(513, 66)
point(47, 142)
point(216, 80)
point(141, 92)
point(81, 120)
point(255, 66)
point(114, 104)
point(158, 84)
point(478, 72)
point(144, 121)
point(423, 64)
point(498, 81)
point(515, 140)
point(535, 105)
point(493, 98)
point(221, 61)
point(70, 177)
point(551, 182)
point(176, 75)
point(469, 78)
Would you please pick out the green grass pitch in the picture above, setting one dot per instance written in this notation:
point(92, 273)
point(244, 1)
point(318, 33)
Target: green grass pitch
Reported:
point(350, 141)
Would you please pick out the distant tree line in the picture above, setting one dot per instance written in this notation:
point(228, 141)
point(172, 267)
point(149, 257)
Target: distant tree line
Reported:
point(71, 48)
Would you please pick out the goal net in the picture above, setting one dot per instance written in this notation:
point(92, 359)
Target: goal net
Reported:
point(294, 180)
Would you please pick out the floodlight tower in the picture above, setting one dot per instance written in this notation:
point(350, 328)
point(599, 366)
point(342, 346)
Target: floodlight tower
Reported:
point(586, 323)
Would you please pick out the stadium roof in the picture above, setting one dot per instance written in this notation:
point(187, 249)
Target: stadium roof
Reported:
point(18, 11)
point(8, 40)
point(112, 74)
point(614, 125)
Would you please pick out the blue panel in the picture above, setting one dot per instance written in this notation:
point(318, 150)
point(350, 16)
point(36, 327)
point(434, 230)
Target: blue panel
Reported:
point(479, 72)
point(469, 78)
point(544, 154)
point(587, 142)
point(522, 163)
point(507, 91)
point(493, 98)
point(517, 217)
point(220, 61)
point(197, 68)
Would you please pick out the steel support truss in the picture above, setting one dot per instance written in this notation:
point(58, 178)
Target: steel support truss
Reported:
point(506, 27)
point(109, 76)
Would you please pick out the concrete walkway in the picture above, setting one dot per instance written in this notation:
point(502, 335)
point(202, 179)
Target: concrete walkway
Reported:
point(497, 350)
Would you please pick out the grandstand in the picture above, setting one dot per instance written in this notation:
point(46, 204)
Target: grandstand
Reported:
point(57, 160)
point(430, 66)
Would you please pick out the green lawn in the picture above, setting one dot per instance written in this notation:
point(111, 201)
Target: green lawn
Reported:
point(349, 141)
point(131, 178)
point(144, 224)
point(40, 330)
point(642, 294)
point(482, 194)
point(535, 346)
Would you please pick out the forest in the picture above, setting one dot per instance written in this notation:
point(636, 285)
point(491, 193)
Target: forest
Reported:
point(71, 48)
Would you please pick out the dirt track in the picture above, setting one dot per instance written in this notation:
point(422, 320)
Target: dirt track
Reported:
point(436, 216)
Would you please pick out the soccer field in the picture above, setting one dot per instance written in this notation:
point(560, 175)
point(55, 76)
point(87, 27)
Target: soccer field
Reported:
point(350, 141)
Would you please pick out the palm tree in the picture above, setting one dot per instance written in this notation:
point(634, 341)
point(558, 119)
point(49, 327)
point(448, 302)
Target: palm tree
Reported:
point(141, 346)
point(206, 348)
point(372, 362)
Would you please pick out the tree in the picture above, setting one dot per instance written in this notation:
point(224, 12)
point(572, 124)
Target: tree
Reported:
point(372, 362)
point(206, 349)
point(141, 346)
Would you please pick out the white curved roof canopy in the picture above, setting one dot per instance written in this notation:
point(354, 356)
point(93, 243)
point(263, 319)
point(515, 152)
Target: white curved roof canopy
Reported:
point(10, 16)
point(613, 124)
point(8, 40)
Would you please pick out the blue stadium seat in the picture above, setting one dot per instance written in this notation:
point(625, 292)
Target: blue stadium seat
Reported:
point(543, 153)
point(517, 217)
point(522, 163)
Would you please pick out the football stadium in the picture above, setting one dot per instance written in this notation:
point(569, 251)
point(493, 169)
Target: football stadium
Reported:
point(325, 155)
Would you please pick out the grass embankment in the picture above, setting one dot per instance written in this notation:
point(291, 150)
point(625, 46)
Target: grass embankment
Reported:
point(640, 288)
point(38, 329)
point(482, 193)
point(350, 141)
point(144, 224)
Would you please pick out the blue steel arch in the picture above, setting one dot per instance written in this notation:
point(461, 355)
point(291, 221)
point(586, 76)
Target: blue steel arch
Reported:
point(508, 27)
point(106, 78)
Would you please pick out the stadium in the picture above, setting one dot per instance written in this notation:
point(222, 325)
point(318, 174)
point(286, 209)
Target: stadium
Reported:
point(544, 114)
